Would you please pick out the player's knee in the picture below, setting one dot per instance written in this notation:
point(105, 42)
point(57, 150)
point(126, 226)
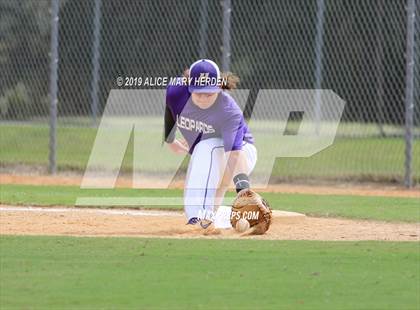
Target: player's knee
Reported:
point(208, 145)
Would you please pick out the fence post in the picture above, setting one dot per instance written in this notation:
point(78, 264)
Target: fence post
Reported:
point(203, 28)
point(53, 86)
point(409, 103)
point(379, 55)
point(227, 9)
point(95, 59)
point(318, 60)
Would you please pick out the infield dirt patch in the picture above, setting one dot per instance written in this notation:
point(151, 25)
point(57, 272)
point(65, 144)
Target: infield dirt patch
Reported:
point(171, 224)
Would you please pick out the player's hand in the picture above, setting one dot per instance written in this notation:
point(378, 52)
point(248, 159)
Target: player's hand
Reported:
point(179, 146)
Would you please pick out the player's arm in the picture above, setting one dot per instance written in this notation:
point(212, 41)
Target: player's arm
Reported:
point(177, 146)
point(169, 126)
point(236, 168)
point(236, 165)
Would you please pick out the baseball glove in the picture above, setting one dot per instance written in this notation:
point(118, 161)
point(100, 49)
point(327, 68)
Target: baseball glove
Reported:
point(253, 208)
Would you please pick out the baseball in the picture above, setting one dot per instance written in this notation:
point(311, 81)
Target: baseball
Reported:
point(242, 225)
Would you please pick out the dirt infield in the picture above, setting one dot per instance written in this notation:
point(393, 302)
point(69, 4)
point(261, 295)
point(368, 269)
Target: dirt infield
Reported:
point(368, 189)
point(170, 224)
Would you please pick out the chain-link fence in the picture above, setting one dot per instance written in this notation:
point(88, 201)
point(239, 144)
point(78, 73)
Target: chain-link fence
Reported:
point(355, 48)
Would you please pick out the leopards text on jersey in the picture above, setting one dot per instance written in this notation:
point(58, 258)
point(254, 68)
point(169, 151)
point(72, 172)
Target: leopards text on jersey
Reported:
point(223, 119)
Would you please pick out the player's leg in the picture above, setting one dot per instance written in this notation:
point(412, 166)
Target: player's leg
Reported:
point(204, 171)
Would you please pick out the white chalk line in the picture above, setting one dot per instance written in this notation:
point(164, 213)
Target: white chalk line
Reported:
point(276, 213)
point(91, 211)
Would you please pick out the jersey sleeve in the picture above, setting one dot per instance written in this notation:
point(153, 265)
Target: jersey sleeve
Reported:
point(175, 93)
point(233, 133)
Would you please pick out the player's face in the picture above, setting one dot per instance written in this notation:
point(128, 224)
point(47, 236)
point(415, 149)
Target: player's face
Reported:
point(204, 100)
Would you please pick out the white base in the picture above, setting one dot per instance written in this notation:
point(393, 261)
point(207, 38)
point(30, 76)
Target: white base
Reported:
point(222, 217)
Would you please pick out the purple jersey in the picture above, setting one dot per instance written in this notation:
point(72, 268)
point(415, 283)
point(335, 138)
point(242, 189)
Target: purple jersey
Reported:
point(224, 119)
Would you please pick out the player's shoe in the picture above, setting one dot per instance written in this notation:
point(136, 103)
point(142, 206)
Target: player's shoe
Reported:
point(203, 223)
point(193, 221)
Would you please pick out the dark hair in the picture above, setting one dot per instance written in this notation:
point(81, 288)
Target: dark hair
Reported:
point(230, 80)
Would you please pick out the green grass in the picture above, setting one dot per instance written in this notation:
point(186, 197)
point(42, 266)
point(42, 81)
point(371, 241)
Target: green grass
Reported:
point(29, 145)
point(359, 207)
point(360, 158)
point(116, 273)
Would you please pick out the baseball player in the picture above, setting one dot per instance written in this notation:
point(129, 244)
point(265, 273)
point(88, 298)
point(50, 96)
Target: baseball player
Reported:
point(215, 135)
